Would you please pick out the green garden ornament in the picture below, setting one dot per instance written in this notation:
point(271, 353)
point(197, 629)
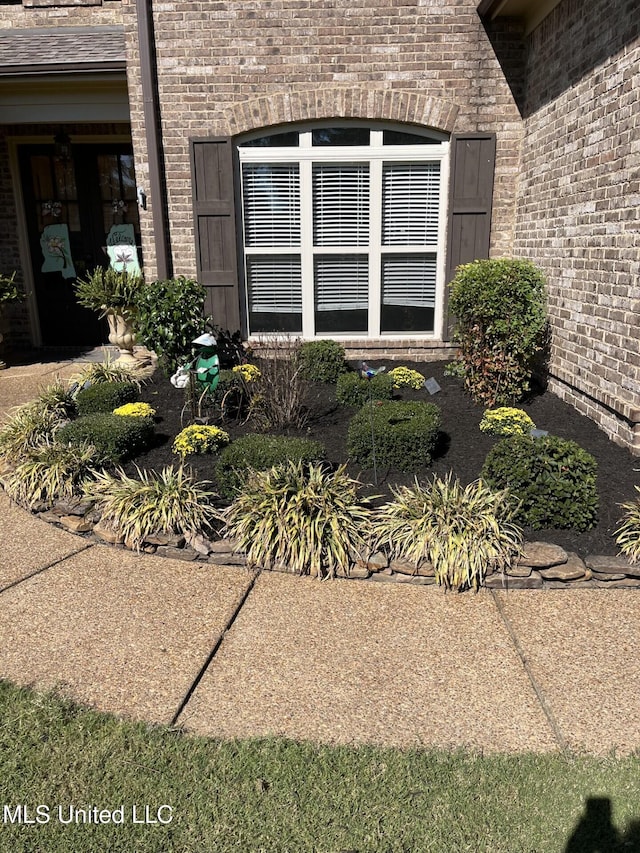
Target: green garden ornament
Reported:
point(206, 364)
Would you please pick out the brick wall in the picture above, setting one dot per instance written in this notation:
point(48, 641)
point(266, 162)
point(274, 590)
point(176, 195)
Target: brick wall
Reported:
point(226, 67)
point(579, 203)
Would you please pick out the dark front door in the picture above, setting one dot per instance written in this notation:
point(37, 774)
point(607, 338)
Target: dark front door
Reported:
point(71, 204)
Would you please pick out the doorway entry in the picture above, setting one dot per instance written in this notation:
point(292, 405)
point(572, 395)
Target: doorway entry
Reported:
point(72, 200)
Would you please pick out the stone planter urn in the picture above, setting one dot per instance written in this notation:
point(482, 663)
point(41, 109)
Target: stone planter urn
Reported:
point(121, 335)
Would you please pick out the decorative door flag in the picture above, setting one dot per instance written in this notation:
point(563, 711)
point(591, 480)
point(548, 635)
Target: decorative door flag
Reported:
point(56, 250)
point(121, 248)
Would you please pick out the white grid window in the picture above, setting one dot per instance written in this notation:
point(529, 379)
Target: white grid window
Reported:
point(344, 238)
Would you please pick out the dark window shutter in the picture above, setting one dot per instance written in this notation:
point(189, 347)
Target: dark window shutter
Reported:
point(473, 157)
point(215, 228)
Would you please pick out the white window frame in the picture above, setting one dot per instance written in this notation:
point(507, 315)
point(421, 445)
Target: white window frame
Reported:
point(375, 154)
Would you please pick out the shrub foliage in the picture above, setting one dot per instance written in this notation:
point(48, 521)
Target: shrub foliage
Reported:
point(405, 434)
point(260, 452)
point(105, 397)
point(355, 390)
point(499, 306)
point(322, 361)
point(115, 437)
point(554, 480)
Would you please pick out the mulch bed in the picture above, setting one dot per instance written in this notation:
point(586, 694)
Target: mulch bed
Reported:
point(463, 447)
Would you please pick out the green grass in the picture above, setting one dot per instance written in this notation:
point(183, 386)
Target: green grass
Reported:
point(275, 795)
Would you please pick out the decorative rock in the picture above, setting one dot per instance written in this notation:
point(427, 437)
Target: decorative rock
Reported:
point(542, 554)
point(613, 565)
point(107, 534)
point(174, 553)
point(627, 583)
point(359, 571)
point(49, 517)
point(581, 584)
point(75, 523)
point(375, 562)
point(199, 543)
point(174, 540)
point(573, 570)
point(406, 567)
point(606, 578)
point(229, 560)
point(223, 546)
point(418, 579)
point(519, 571)
point(501, 581)
point(73, 507)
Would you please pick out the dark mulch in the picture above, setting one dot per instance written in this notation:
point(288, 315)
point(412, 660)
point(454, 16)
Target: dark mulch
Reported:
point(463, 446)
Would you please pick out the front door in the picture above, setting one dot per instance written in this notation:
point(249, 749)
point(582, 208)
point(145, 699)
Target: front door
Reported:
point(71, 204)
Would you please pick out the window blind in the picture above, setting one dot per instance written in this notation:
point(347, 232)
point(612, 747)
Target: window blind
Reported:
point(275, 284)
point(409, 280)
point(271, 200)
point(341, 282)
point(341, 204)
point(410, 204)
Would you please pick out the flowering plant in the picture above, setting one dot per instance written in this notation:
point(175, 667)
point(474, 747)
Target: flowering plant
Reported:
point(135, 410)
point(249, 372)
point(506, 421)
point(198, 438)
point(404, 377)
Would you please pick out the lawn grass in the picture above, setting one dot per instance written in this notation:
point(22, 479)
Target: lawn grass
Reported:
point(275, 795)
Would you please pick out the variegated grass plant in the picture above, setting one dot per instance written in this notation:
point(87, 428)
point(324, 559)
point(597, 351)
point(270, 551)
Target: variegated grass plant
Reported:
point(300, 516)
point(28, 427)
point(628, 534)
point(51, 472)
point(464, 532)
point(110, 370)
point(167, 502)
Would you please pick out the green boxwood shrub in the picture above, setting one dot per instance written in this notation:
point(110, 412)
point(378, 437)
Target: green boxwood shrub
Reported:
point(499, 306)
point(405, 434)
point(354, 390)
point(115, 437)
point(322, 361)
point(553, 478)
point(260, 452)
point(105, 397)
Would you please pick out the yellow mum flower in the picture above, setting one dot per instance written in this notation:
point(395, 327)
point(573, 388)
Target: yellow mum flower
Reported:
point(135, 410)
point(249, 372)
point(199, 438)
point(404, 377)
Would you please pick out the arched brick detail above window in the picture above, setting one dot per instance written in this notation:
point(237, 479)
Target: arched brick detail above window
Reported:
point(368, 103)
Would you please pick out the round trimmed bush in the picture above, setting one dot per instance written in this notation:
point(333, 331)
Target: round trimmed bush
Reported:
point(554, 479)
point(105, 397)
point(322, 361)
point(115, 437)
point(354, 390)
point(405, 434)
point(260, 452)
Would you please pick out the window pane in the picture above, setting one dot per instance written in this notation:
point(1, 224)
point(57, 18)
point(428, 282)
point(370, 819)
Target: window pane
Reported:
point(271, 198)
point(274, 285)
point(397, 137)
point(410, 204)
point(288, 139)
point(340, 136)
point(408, 293)
point(341, 204)
point(341, 293)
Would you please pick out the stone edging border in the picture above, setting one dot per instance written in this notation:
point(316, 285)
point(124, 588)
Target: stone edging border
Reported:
point(542, 566)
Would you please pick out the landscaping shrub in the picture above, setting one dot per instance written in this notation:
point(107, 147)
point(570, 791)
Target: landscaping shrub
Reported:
point(105, 397)
point(499, 306)
point(355, 390)
point(628, 534)
point(299, 516)
point(464, 532)
point(171, 316)
point(260, 452)
point(554, 480)
point(199, 438)
point(168, 502)
point(405, 434)
point(506, 421)
point(114, 437)
point(405, 377)
point(322, 361)
point(50, 472)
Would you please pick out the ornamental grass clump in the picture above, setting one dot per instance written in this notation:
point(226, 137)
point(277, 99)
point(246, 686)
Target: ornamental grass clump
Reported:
point(628, 534)
point(405, 377)
point(51, 472)
point(464, 532)
point(506, 421)
point(499, 306)
point(301, 517)
point(200, 438)
point(28, 427)
point(167, 502)
point(95, 373)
